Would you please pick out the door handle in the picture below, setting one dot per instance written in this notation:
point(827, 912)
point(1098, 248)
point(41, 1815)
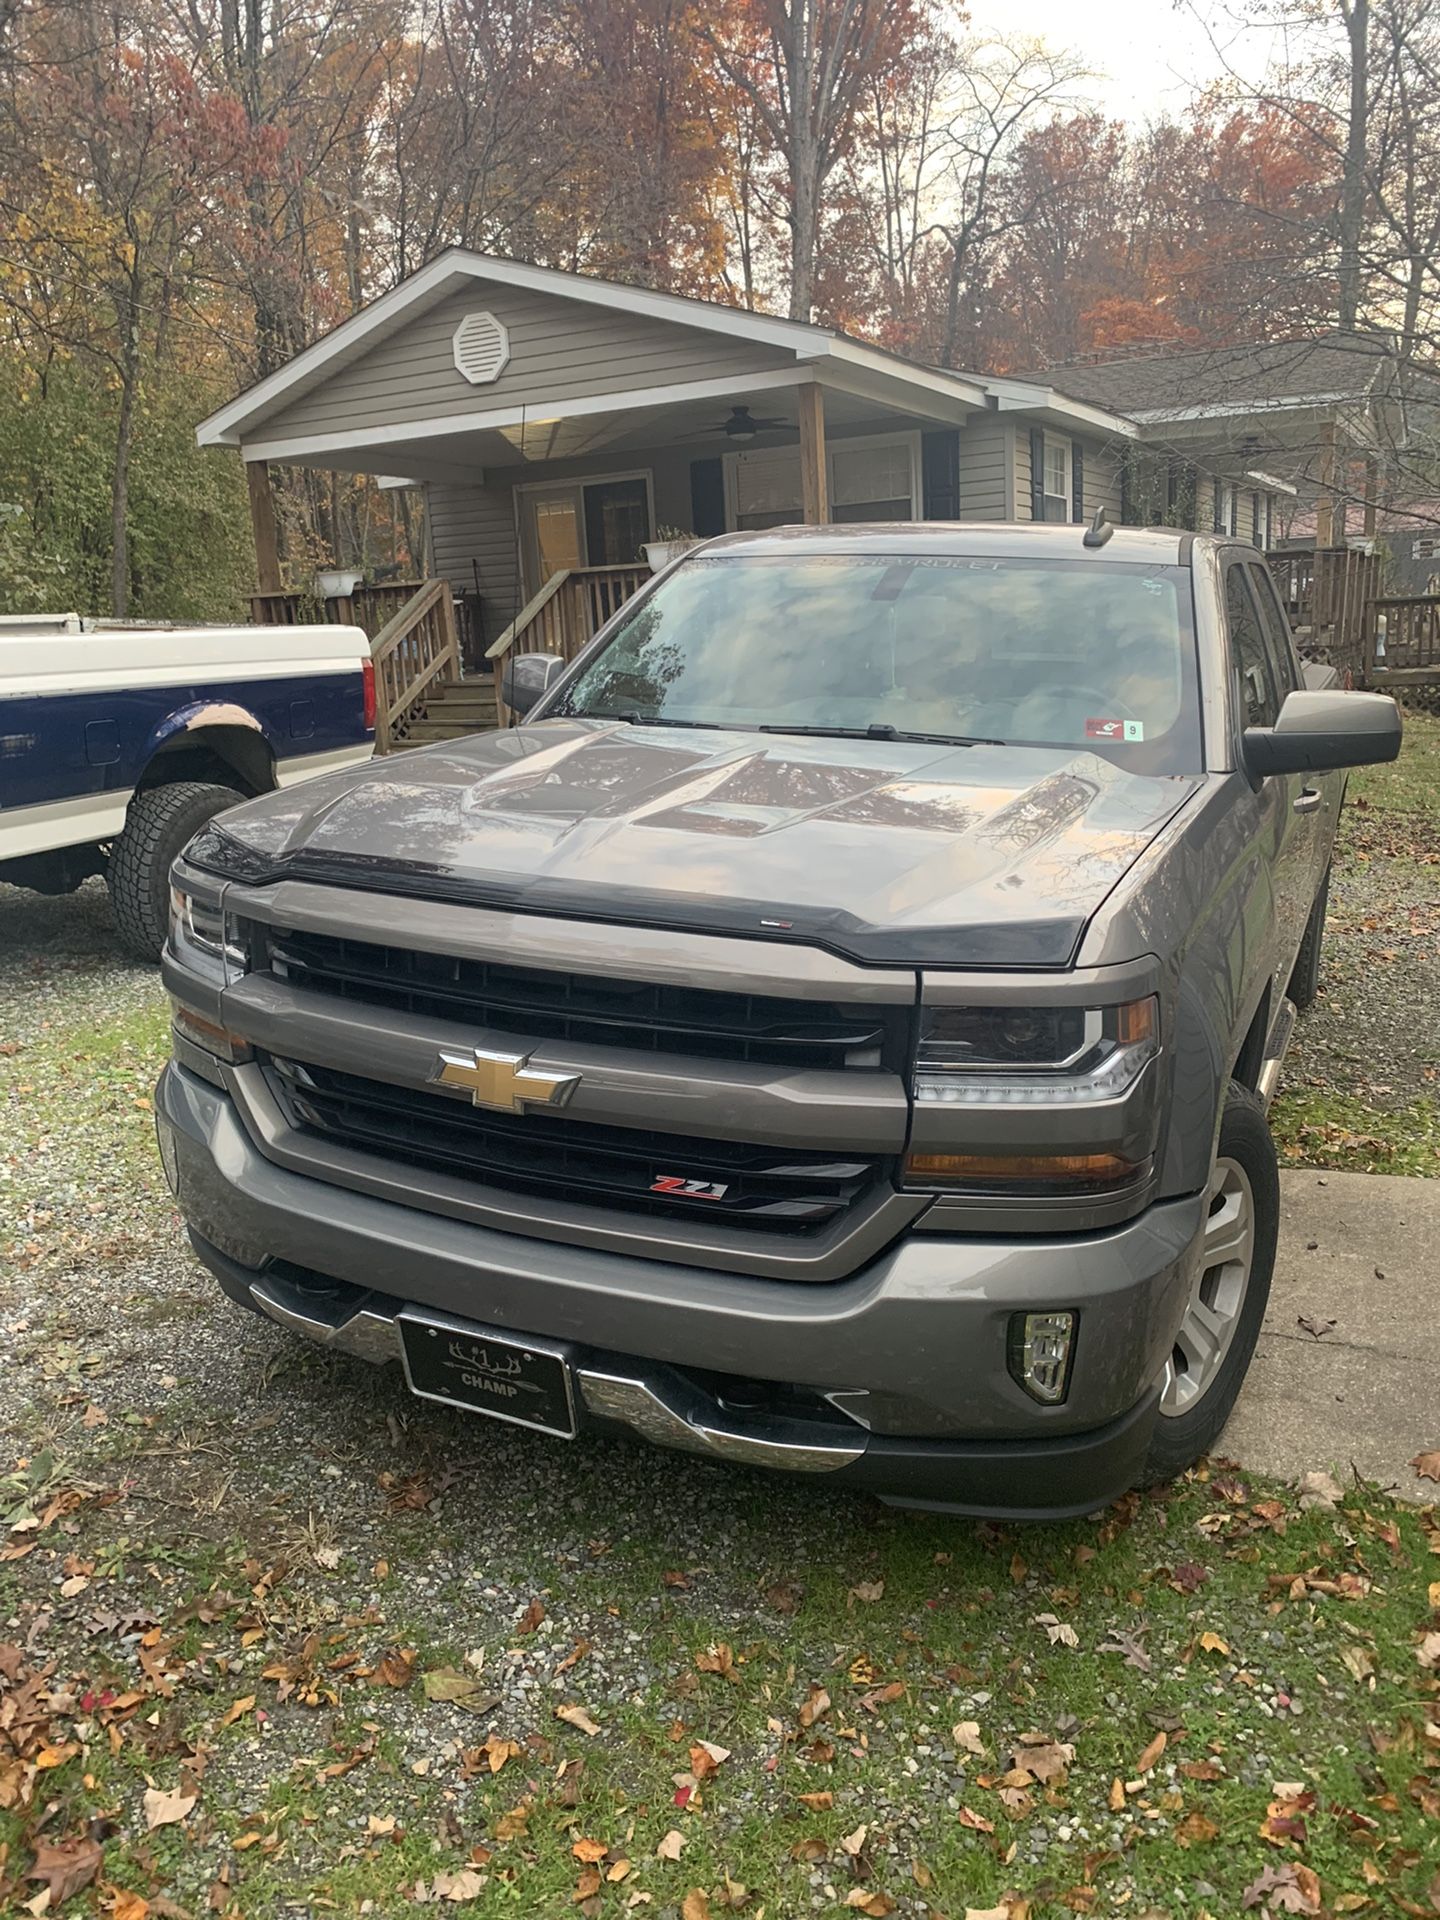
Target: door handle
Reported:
point(1309, 799)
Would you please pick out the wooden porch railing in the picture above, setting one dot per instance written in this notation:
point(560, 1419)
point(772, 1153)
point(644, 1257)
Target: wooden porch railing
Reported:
point(368, 607)
point(1409, 627)
point(1327, 594)
point(568, 611)
point(416, 653)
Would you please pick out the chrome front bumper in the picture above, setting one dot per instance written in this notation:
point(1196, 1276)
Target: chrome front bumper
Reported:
point(663, 1413)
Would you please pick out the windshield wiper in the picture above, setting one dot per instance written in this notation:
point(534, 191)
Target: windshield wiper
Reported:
point(644, 719)
point(879, 731)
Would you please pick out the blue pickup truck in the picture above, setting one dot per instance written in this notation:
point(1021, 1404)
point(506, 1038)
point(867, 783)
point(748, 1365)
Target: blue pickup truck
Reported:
point(117, 745)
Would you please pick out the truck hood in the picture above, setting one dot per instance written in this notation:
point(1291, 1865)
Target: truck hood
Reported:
point(889, 852)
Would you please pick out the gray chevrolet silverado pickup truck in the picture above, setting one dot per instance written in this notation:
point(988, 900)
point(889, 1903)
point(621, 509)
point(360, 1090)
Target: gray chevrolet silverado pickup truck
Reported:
point(832, 1033)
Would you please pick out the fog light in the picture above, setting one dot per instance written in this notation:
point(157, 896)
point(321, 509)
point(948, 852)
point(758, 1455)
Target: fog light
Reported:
point(1042, 1346)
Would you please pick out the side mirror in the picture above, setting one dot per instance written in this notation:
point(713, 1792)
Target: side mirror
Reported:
point(525, 676)
point(1316, 730)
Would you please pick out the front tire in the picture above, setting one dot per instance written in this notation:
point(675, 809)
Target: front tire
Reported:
point(1216, 1338)
point(158, 823)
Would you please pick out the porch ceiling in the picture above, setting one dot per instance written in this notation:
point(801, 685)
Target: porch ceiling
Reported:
point(695, 424)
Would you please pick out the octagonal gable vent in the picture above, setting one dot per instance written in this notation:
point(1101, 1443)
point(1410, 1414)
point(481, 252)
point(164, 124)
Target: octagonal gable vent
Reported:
point(482, 347)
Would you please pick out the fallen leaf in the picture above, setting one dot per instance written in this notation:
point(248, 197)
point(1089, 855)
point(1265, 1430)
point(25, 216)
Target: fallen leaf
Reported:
point(467, 1884)
point(1057, 1632)
point(1427, 1465)
point(589, 1851)
point(67, 1867)
point(1196, 1830)
point(871, 1901)
point(966, 1735)
point(854, 1843)
point(533, 1615)
point(577, 1717)
point(1117, 1795)
point(393, 1669)
point(1428, 1652)
point(696, 1905)
point(1320, 1490)
point(869, 1591)
point(166, 1809)
point(449, 1685)
point(618, 1871)
point(977, 1821)
point(1212, 1643)
point(705, 1757)
point(512, 1825)
point(816, 1703)
point(669, 1847)
point(130, 1906)
point(817, 1802)
point(237, 1710)
point(1152, 1753)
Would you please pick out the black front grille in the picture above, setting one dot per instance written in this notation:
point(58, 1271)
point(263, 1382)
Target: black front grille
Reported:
point(761, 1187)
point(642, 1016)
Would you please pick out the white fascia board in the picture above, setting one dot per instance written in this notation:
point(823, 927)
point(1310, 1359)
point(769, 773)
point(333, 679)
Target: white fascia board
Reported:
point(311, 446)
point(449, 271)
point(956, 387)
point(888, 387)
point(1022, 396)
point(1270, 481)
point(1240, 410)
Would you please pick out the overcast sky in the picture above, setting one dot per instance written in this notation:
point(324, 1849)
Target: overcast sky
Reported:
point(1152, 54)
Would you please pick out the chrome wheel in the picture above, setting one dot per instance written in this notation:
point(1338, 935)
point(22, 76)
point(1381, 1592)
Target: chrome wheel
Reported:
point(1218, 1296)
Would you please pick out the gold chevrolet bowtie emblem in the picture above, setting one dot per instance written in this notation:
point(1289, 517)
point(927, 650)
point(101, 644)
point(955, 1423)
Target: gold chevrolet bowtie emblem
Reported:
point(504, 1082)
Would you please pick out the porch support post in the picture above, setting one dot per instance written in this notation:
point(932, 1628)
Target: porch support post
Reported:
point(1325, 499)
point(262, 519)
point(1372, 495)
point(814, 491)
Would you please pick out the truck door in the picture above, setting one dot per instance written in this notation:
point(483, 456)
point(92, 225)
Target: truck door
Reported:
point(1286, 829)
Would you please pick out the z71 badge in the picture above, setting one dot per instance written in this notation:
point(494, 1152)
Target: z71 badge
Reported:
point(690, 1189)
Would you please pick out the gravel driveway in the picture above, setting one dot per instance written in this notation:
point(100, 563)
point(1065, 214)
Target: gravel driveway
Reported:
point(275, 1638)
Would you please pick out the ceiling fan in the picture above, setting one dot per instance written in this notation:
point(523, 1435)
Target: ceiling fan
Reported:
point(742, 424)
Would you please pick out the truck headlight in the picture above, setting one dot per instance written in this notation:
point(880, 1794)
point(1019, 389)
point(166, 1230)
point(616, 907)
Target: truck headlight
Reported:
point(1052, 1056)
point(1021, 1102)
point(203, 937)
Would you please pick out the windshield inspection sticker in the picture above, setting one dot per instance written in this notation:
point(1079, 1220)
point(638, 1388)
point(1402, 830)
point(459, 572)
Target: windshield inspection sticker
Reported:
point(1114, 730)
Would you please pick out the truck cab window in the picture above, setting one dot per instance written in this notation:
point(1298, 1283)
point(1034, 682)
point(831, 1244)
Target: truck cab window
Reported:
point(1273, 626)
point(1249, 657)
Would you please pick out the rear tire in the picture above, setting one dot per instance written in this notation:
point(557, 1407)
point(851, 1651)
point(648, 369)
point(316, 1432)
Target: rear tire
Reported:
point(1216, 1339)
point(158, 824)
point(1305, 979)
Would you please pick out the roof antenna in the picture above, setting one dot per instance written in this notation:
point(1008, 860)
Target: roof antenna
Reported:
point(1099, 529)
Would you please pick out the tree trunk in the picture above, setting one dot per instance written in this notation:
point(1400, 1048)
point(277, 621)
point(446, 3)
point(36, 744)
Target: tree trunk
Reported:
point(120, 476)
point(1356, 15)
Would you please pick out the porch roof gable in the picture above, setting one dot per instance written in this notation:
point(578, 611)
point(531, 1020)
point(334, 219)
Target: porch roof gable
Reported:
point(451, 272)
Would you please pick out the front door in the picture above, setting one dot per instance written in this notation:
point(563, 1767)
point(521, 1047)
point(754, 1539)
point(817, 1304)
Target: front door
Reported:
point(583, 523)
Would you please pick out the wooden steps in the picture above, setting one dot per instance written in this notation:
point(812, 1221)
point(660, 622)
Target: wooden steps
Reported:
point(452, 711)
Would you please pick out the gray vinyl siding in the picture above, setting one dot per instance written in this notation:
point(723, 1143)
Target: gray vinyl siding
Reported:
point(559, 350)
point(1103, 462)
point(472, 537)
point(985, 462)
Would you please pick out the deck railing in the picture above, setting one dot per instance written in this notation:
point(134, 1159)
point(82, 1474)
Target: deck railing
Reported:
point(568, 611)
point(1405, 634)
point(367, 607)
point(1327, 594)
point(416, 653)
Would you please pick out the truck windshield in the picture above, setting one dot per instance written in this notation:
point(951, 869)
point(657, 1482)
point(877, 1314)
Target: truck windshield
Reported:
point(1062, 653)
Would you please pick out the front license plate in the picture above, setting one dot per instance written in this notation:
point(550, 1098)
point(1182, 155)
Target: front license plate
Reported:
point(484, 1372)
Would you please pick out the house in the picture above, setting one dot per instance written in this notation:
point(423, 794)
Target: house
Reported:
point(558, 423)
point(555, 420)
point(1324, 427)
